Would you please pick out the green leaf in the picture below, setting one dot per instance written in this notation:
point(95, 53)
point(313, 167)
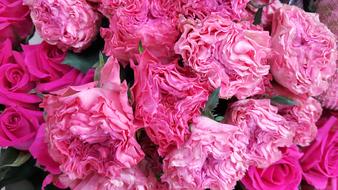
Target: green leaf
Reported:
point(212, 103)
point(140, 47)
point(219, 118)
point(8, 156)
point(99, 67)
point(82, 62)
point(282, 100)
point(258, 16)
point(20, 159)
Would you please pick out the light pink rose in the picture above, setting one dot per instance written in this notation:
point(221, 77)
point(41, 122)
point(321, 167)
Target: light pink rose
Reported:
point(266, 129)
point(285, 174)
point(213, 157)
point(234, 9)
point(15, 23)
point(301, 117)
point(18, 127)
point(15, 83)
point(230, 55)
point(69, 24)
point(305, 51)
point(39, 150)
point(134, 21)
point(329, 99)
point(90, 129)
point(167, 97)
point(319, 162)
point(44, 63)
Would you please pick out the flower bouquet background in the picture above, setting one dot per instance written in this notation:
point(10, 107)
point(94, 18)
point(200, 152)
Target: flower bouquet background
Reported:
point(168, 94)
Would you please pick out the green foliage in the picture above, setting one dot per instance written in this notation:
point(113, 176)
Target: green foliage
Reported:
point(211, 104)
point(258, 16)
point(282, 100)
point(140, 47)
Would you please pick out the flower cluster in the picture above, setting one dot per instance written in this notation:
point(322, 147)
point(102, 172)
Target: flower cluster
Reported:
point(170, 94)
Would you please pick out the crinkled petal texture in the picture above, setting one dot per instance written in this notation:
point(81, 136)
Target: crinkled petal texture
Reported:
point(230, 55)
point(284, 174)
point(69, 24)
point(305, 51)
point(265, 129)
point(167, 97)
point(329, 99)
point(90, 129)
point(139, 20)
point(211, 158)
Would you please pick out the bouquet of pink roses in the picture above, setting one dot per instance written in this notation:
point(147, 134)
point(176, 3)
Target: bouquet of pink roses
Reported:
point(168, 95)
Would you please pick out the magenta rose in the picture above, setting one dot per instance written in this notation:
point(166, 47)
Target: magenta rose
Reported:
point(266, 130)
point(15, 21)
point(18, 127)
point(319, 163)
point(69, 24)
point(238, 65)
point(213, 157)
point(305, 51)
point(134, 21)
point(167, 97)
point(15, 83)
point(285, 174)
point(44, 63)
point(90, 129)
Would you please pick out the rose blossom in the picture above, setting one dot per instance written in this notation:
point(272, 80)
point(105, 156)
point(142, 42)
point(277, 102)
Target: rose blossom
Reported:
point(18, 127)
point(213, 157)
point(69, 24)
point(329, 99)
point(89, 129)
point(305, 52)
point(267, 131)
point(231, 55)
point(285, 174)
point(301, 117)
point(319, 162)
point(44, 63)
point(15, 84)
point(167, 97)
point(15, 22)
point(134, 21)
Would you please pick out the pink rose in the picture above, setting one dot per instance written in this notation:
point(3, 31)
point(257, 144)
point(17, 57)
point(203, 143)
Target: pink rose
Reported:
point(132, 22)
point(271, 6)
point(301, 117)
point(265, 129)
point(329, 99)
point(69, 24)
point(230, 55)
point(18, 127)
point(234, 9)
point(44, 63)
point(319, 162)
point(39, 150)
point(212, 158)
point(305, 52)
point(90, 129)
point(167, 97)
point(285, 174)
point(15, 22)
point(15, 83)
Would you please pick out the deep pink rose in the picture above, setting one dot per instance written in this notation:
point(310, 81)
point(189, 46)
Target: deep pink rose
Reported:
point(132, 22)
point(329, 99)
point(167, 97)
point(39, 150)
point(69, 24)
point(15, 83)
point(305, 51)
point(319, 163)
point(44, 63)
point(15, 22)
point(234, 9)
point(285, 174)
point(18, 127)
point(213, 157)
point(266, 130)
point(231, 55)
point(90, 129)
